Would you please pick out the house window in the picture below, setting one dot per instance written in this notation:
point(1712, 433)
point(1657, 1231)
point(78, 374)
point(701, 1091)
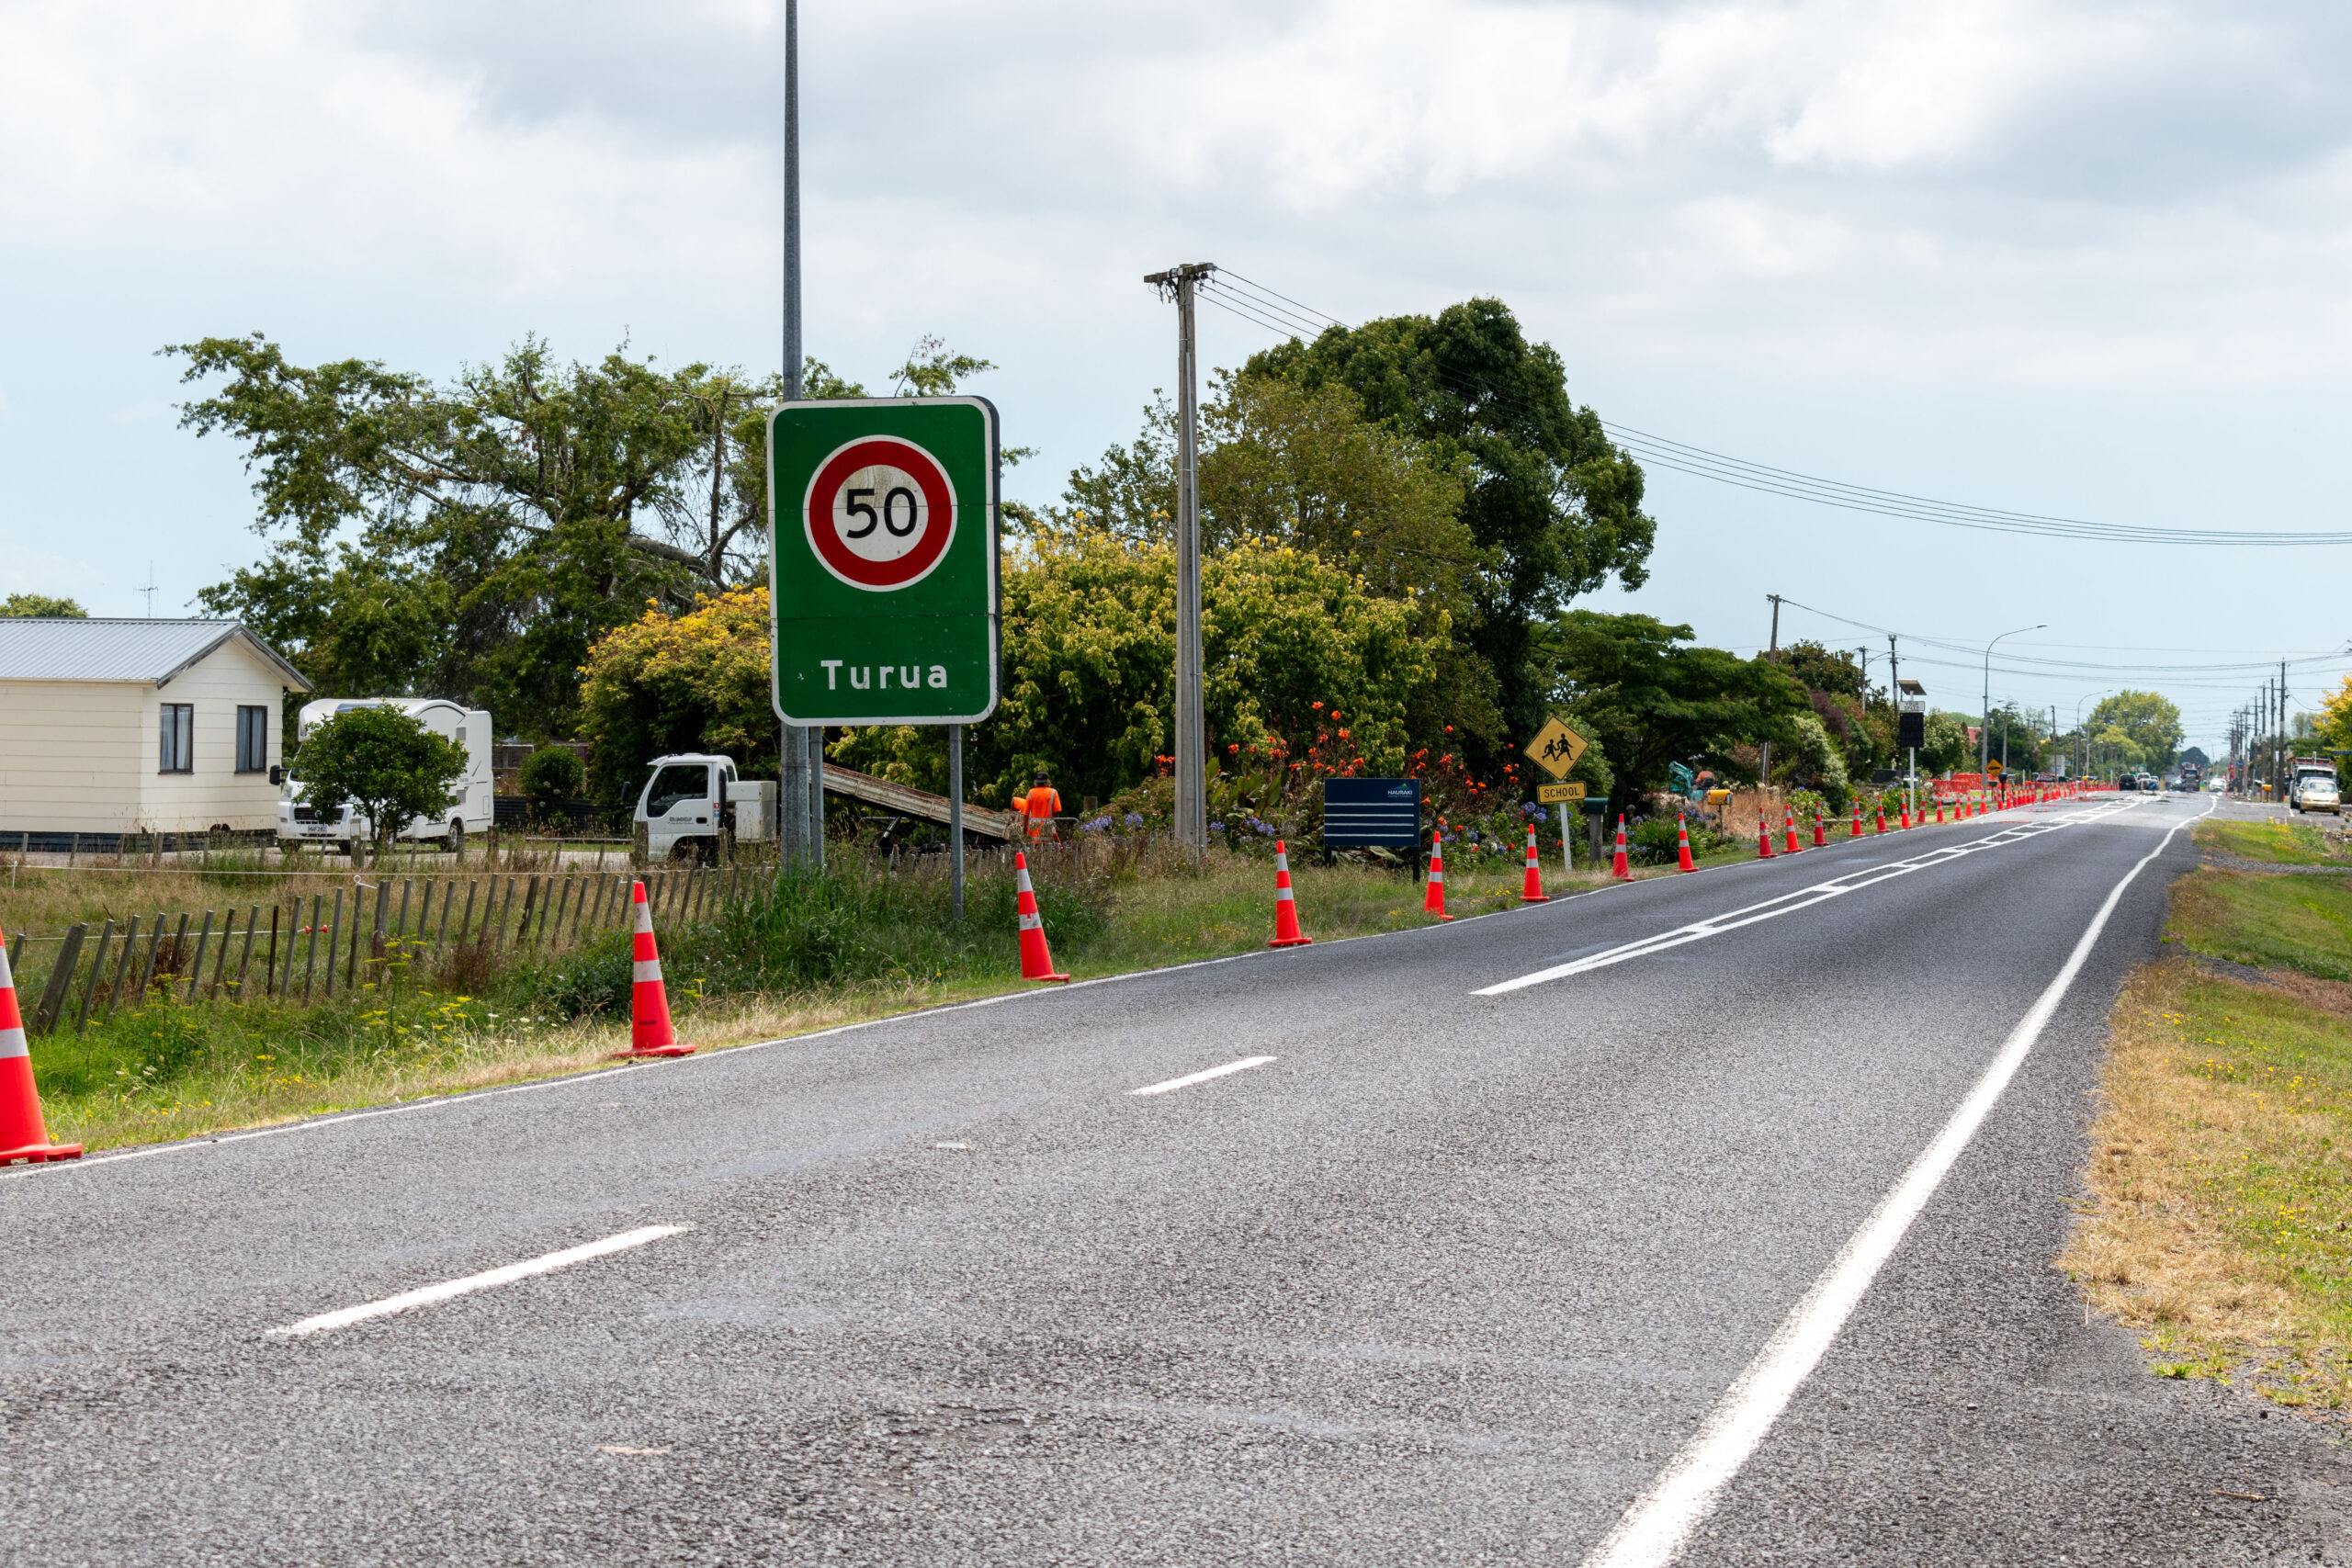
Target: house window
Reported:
point(253, 740)
point(178, 751)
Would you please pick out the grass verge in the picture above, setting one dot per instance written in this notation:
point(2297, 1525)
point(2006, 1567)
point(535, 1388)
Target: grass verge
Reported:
point(2219, 1222)
point(2278, 841)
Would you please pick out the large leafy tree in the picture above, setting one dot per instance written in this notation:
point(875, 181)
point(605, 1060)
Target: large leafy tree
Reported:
point(475, 539)
point(1090, 659)
point(1650, 698)
point(664, 683)
point(2148, 720)
point(1557, 502)
point(1282, 463)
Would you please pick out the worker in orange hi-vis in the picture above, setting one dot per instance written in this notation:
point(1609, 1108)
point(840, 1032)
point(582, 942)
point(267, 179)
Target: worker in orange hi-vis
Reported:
point(1041, 805)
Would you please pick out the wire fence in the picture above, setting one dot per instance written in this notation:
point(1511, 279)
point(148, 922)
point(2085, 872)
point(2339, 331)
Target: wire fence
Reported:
point(306, 947)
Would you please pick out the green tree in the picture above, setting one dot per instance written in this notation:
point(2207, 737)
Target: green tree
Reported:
point(1557, 503)
point(1650, 700)
point(22, 605)
point(1089, 662)
point(697, 682)
point(474, 540)
point(1813, 761)
point(1818, 668)
point(1947, 748)
point(2147, 720)
point(553, 772)
point(386, 766)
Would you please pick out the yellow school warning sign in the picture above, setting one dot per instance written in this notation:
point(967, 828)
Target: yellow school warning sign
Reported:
point(1555, 748)
point(1558, 794)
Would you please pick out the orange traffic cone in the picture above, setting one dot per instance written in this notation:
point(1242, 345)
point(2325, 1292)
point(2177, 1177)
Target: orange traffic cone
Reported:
point(1939, 811)
point(1795, 848)
point(650, 1033)
point(1857, 819)
point(1881, 817)
point(1619, 868)
point(1906, 822)
point(1682, 844)
point(1433, 901)
point(1763, 838)
point(1531, 891)
point(1037, 959)
point(1286, 932)
point(23, 1135)
point(1820, 836)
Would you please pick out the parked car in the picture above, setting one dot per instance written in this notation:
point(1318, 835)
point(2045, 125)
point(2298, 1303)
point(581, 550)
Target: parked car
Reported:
point(469, 808)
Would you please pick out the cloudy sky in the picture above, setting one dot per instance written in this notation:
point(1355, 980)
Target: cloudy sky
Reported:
point(2082, 260)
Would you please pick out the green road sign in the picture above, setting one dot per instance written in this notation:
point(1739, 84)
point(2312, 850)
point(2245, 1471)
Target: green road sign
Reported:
point(882, 555)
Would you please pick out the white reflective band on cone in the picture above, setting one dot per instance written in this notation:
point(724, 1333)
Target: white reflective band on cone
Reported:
point(1031, 923)
point(645, 969)
point(1283, 896)
point(7, 976)
point(12, 1044)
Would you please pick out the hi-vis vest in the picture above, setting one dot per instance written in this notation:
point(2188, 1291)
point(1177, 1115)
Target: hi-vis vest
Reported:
point(1040, 806)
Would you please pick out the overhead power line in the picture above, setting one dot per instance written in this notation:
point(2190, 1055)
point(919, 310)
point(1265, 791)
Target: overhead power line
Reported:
point(1286, 317)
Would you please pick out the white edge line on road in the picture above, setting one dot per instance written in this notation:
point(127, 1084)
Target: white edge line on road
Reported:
point(1189, 1079)
point(1653, 1530)
point(428, 1295)
point(50, 1172)
point(1787, 903)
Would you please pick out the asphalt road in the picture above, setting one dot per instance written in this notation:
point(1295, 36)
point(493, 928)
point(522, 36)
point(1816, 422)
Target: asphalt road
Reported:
point(1451, 1279)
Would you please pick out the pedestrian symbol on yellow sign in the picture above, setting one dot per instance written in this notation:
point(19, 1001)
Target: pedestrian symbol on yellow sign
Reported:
point(1555, 748)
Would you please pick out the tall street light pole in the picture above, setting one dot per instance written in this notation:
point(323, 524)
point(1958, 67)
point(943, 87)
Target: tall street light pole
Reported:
point(1985, 729)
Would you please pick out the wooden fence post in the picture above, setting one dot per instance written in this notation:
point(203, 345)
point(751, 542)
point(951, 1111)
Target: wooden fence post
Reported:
point(121, 968)
point(196, 970)
point(98, 974)
point(61, 980)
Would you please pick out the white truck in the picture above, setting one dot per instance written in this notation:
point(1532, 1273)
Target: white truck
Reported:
point(2315, 786)
point(469, 810)
point(690, 796)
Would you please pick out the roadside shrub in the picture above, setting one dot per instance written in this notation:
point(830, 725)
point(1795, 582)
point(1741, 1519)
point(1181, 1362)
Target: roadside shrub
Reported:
point(553, 772)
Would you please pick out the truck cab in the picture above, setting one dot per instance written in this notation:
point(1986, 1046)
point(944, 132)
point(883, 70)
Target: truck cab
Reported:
point(685, 804)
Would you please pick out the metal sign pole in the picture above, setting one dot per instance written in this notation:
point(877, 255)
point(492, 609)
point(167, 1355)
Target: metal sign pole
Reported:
point(956, 820)
point(792, 771)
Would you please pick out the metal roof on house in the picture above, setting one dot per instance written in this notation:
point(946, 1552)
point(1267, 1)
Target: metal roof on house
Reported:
point(42, 647)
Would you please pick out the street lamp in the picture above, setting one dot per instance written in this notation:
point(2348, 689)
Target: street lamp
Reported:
point(2082, 747)
point(1985, 731)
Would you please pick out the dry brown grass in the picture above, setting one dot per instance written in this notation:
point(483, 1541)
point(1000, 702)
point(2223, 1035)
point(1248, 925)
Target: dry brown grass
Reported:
point(2188, 1158)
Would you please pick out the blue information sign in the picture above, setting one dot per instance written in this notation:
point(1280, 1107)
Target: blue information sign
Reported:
point(1372, 813)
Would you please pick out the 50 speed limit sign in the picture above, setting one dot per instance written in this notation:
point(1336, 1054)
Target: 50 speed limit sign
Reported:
point(883, 538)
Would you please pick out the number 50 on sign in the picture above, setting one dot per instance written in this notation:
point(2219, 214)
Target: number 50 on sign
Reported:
point(883, 560)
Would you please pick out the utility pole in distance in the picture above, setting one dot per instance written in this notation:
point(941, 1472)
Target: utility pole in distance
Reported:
point(1764, 782)
point(1180, 283)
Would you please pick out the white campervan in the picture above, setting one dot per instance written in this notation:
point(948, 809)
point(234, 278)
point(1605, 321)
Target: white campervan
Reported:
point(470, 808)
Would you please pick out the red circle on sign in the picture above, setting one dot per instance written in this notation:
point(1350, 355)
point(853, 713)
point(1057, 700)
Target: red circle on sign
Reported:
point(889, 532)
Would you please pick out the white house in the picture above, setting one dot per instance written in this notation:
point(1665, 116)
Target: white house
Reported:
point(133, 726)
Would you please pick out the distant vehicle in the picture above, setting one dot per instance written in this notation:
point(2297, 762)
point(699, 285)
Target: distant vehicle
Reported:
point(689, 800)
point(2314, 788)
point(470, 809)
point(2192, 779)
point(2127, 780)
